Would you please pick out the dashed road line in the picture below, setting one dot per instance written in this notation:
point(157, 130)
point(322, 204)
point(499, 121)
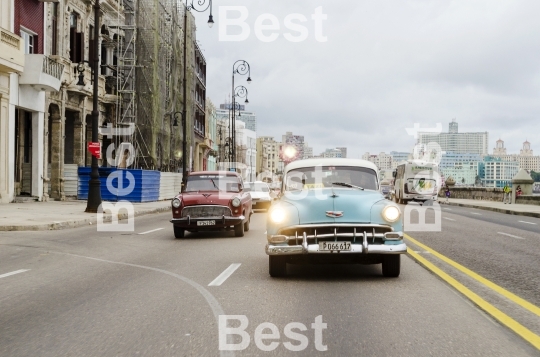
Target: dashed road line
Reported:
point(510, 235)
point(225, 275)
point(450, 219)
point(478, 214)
point(153, 230)
point(448, 209)
point(527, 222)
point(13, 273)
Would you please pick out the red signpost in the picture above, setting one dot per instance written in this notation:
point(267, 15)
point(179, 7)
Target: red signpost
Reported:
point(95, 149)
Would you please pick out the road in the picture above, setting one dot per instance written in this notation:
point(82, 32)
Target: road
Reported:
point(80, 292)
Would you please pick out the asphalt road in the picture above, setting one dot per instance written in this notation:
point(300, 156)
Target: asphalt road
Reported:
point(89, 293)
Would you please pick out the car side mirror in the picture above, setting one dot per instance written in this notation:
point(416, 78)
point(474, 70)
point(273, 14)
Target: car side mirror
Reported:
point(394, 174)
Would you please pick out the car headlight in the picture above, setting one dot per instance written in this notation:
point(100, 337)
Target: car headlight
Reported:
point(236, 202)
point(277, 215)
point(391, 213)
point(176, 203)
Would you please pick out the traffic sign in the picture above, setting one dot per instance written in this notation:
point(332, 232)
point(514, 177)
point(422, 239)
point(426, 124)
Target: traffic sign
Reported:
point(95, 149)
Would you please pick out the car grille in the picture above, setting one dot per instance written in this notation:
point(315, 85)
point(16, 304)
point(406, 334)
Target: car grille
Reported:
point(342, 233)
point(206, 211)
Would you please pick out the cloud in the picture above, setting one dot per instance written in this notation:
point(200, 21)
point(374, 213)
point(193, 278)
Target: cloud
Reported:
point(385, 66)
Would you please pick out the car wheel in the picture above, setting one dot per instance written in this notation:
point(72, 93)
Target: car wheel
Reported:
point(277, 266)
point(246, 225)
point(391, 265)
point(239, 230)
point(178, 232)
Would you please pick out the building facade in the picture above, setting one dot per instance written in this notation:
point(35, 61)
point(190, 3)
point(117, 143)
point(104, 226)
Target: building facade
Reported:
point(475, 143)
point(495, 172)
point(382, 160)
point(526, 158)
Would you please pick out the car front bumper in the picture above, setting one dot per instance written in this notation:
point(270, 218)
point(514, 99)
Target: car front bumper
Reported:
point(220, 222)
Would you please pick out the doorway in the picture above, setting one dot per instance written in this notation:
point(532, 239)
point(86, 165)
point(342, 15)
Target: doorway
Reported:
point(23, 152)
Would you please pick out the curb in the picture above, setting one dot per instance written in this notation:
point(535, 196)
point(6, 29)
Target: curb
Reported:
point(80, 222)
point(493, 209)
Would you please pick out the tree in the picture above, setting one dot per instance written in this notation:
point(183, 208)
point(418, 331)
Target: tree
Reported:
point(535, 176)
point(463, 180)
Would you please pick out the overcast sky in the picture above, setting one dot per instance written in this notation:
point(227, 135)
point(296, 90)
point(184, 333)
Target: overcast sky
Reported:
point(385, 66)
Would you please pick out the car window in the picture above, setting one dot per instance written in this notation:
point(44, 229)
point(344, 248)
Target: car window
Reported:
point(324, 176)
point(212, 183)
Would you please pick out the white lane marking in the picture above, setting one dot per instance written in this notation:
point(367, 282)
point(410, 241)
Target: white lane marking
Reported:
point(13, 273)
point(448, 209)
point(510, 235)
point(479, 214)
point(225, 275)
point(153, 230)
point(527, 222)
point(450, 219)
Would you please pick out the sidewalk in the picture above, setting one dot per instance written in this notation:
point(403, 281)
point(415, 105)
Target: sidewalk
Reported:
point(38, 216)
point(516, 209)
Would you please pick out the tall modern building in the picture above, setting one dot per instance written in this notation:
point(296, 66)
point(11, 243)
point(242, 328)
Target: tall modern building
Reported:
point(454, 141)
point(249, 118)
point(399, 156)
point(343, 151)
point(297, 141)
point(383, 160)
point(463, 168)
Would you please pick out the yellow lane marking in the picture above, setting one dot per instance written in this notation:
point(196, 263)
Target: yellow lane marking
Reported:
point(521, 302)
point(506, 320)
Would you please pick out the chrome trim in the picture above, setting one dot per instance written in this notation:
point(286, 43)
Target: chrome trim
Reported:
point(355, 249)
point(353, 225)
point(399, 234)
point(203, 206)
point(318, 236)
point(304, 243)
point(365, 244)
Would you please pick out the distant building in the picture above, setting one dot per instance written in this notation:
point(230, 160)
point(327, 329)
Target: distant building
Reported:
point(343, 151)
point(476, 143)
point(308, 151)
point(296, 141)
point(462, 167)
point(526, 159)
point(332, 153)
point(494, 172)
point(267, 155)
point(383, 160)
point(247, 117)
point(399, 156)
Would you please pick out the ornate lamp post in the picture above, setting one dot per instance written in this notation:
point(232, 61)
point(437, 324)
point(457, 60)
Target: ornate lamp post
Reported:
point(240, 67)
point(189, 7)
point(94, 187)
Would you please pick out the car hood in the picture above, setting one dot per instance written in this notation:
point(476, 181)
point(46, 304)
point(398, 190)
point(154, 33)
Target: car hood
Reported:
point(317, 206)
point(208, 198)
point(259, 194)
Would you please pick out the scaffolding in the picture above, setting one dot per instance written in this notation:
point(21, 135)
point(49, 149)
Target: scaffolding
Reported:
point(148, 82)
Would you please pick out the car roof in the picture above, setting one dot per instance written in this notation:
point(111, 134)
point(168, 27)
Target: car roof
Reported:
point(331, 161)
point(224, 172)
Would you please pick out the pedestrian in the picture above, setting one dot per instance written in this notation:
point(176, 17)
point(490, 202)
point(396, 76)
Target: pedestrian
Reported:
point(447, 193)
point(506, 194)
point(518, 191)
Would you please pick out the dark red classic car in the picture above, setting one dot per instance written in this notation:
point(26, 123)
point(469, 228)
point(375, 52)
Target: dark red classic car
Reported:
point(212, 200)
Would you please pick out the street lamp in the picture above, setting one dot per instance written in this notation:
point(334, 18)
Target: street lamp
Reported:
point(240, 67)
point(94, 187)
point(184, 112)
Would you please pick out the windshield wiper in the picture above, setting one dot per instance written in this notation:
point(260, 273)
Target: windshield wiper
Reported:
point(347, 185)
point(213, 183)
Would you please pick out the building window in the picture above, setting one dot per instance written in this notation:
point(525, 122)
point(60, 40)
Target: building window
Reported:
point(29, 41)
point(76, 40)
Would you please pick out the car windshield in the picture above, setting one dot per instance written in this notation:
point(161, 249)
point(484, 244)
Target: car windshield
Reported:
point(212, 183)
point(256, 187)
point(331, 176)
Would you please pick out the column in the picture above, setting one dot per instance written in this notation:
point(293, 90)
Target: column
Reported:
point(37, 154)
point(57, 155)
point(78, 140)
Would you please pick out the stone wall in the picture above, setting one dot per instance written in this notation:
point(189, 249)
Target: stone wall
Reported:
point(475, 193)
point(487, 194)
point(528, 200)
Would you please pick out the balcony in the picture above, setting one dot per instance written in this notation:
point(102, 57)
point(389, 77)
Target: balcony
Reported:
point(42, 73)
point(11, 52)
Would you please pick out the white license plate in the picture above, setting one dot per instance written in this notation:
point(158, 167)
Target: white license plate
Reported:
point(334, 246)
point(206, 223)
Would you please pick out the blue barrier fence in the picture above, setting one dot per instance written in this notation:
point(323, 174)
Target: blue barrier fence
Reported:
point(135, 185)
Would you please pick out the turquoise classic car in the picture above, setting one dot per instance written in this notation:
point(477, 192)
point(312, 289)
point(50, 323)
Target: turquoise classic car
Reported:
point(332, 211)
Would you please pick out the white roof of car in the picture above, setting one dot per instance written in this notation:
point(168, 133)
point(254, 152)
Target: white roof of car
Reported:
point(329, 162)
